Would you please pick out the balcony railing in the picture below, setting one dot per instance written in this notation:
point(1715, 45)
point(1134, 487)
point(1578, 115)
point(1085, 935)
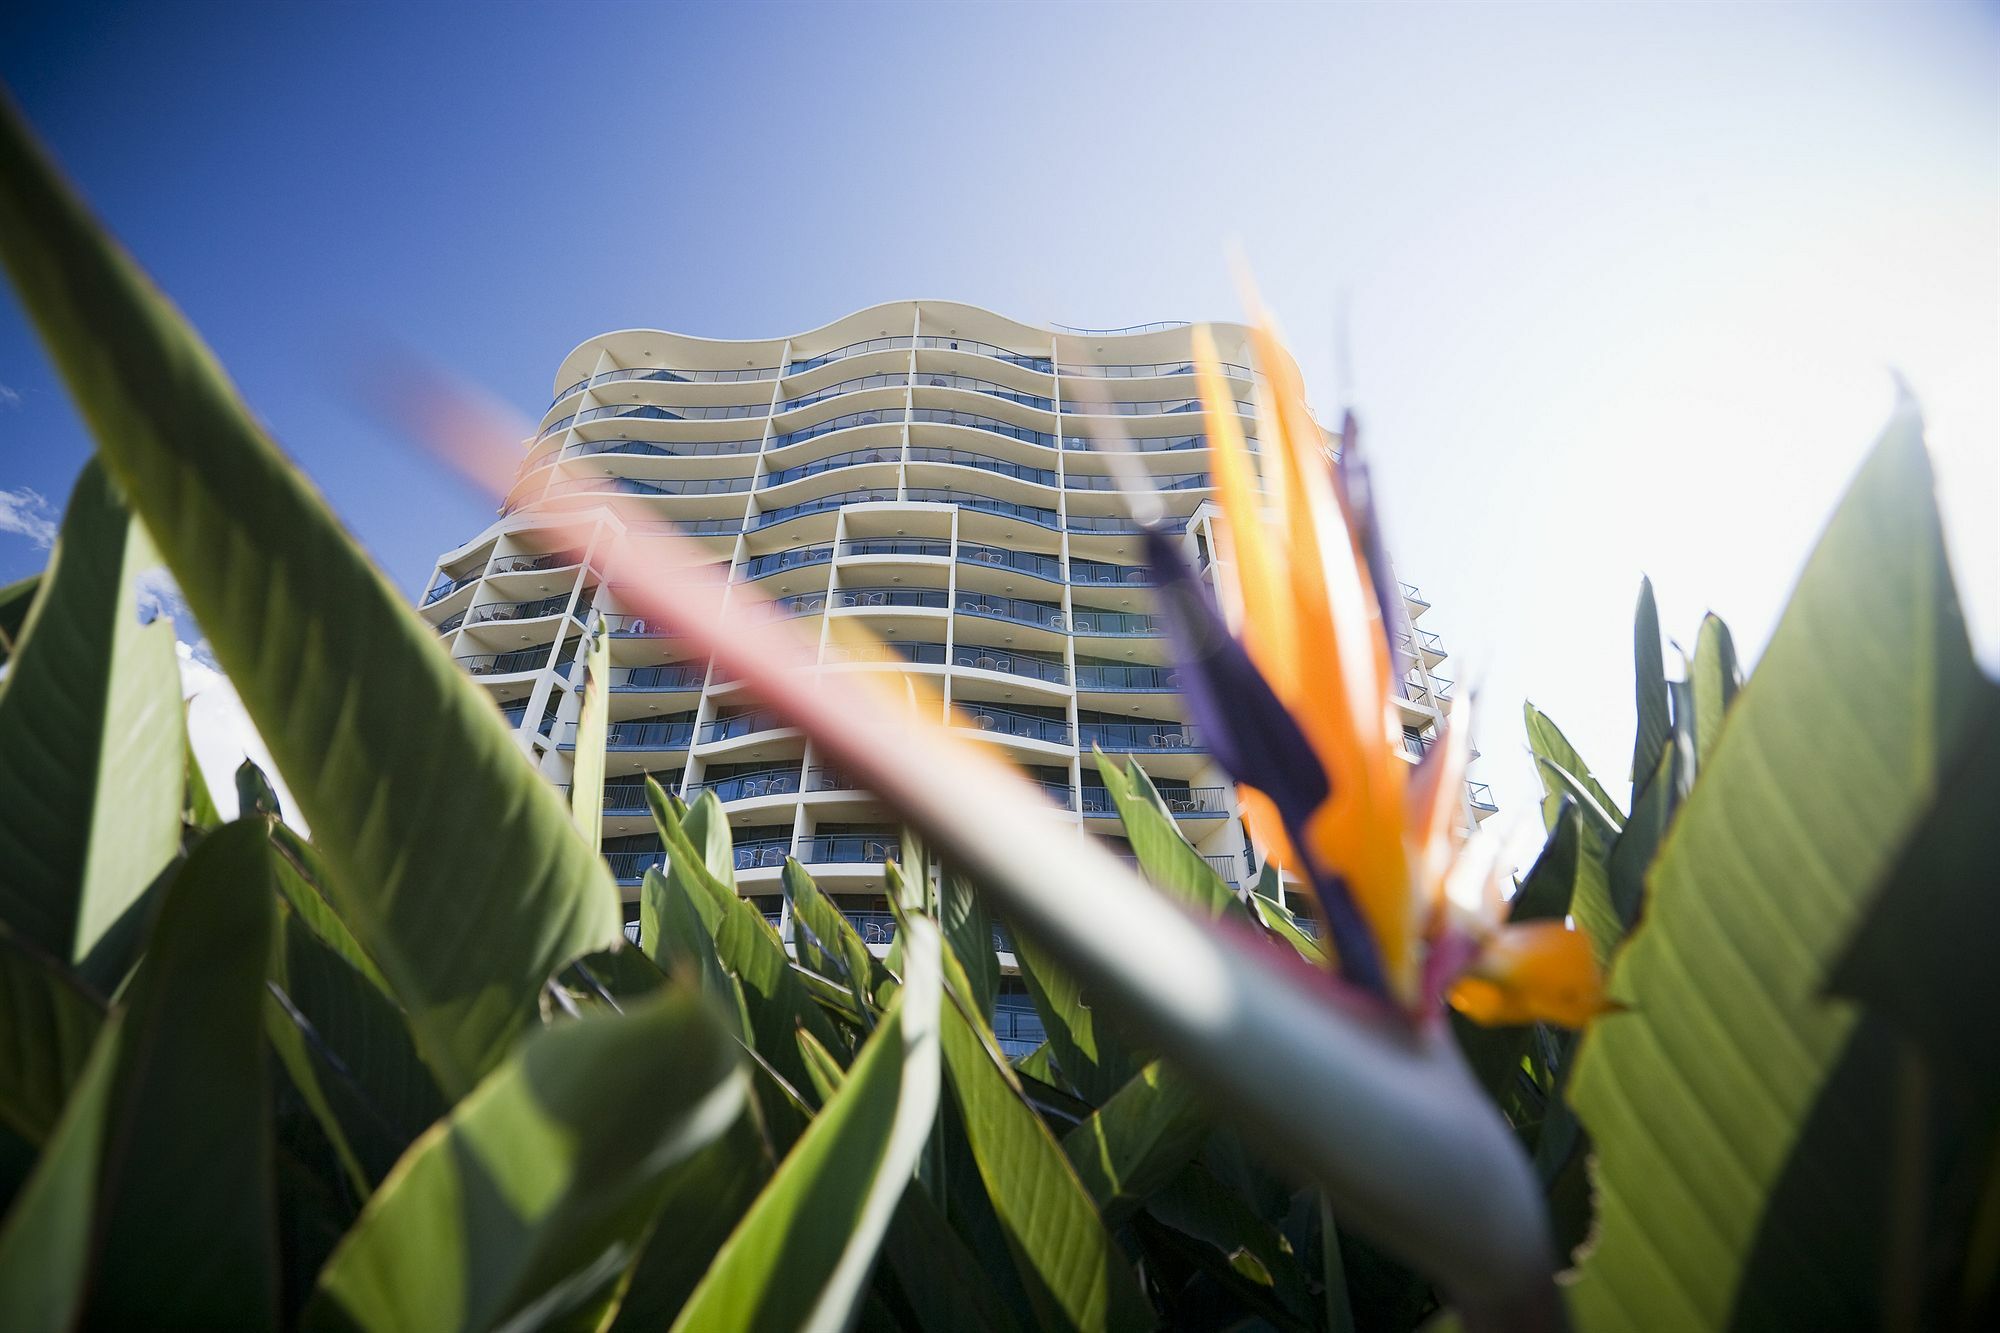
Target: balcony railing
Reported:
point(1481, 796)
point(999, 467)
point(894, 546)
point(1033, 667)
point(1027, 562)
point(676, 676)
point(1186, 802)
point(631, 867)
point(879, 930)
point(506, 664)
point(1156, 370)
point(1007, 722)
point(1122, 678)
point(986, 504)
point(1121, 527)
point(1179, 481)
point(543, 606)
point(534, 564)
point(971, 384)
point(800, 604)
point(749, 786)
point(1026, 360)
point(888, 344)
point(1149, 444)
point(451, 622)
point(824, 504)
point(635, 627)
point(881, 416)
point(762, 854)
point(894, 650)
point(659, 449)
point(776, 563)
point(669, 376)
point(884, 597)
point(638, 735)
point(1102, 574)
point(626, 798)
point(445, 587)
point(827, 779)
point(1138, 737)
point(832, 463)
point(1019, 610)
point(1155, 407)
point(633, 486)
point(742, 724)
point(1114, 624)
point(897, 380)
point(846, 849)
point(939, 416)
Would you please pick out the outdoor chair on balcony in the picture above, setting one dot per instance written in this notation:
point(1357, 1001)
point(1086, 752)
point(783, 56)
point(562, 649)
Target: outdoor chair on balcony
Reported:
point(985, 664)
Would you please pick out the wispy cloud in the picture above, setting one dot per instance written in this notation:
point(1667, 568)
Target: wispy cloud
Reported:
point(28, 512)
point(9, 396)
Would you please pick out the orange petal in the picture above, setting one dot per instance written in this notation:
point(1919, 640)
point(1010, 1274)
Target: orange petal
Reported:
point(1538, 971)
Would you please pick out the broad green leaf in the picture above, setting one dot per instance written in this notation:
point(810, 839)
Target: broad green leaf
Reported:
point(1074, 1273)
point(1626, 864)
point(1279, 922)
point(48, 1023)
point(416, 792)
point(1699, 1098)
point(1137, 1141)
point(939, 1276)
point(45, 1238)
point(1714, 680)
point(1564, 774)
point(531, 1198)
point(91, 745)
point(348, 1050)
point(197, 803)
point(1922, 957)
point(706, 829)
point(586, 801)
point(801, 1257)
point(1649, 671)
point(1177, 868)
point(1039, 1064)
point(301, 879)
point(968, 928)
point(835, 938)
point(254, 793)
point(15, 599)
point(706, 1196)
point(1092, 1059)
point(181, 1223)
point(1199, 1206)
point(680, 941)
point(774, 998)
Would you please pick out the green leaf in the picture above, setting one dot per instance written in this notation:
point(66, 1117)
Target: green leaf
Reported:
point(586, 802)
point(968, 928)
point(1700, 1096)
point(1279, 922)
point(1199, 1206)
point(821, 927)
point(1137, 1141)
point(417, 793)
point(197, 804)
point(48, 1023)
point(536, 1193)
point(706, 1196)
point(1564, 774)
point(45, 1240)
point(1166, 857)
point(1653, 806)
point(938, 1274)
point(1649, 671)
point(1714, 680)
point(301, 877)
point(1092, 1059)
point(162, 1159)
point(801, 1258)
point(1074, 1273)
point(91, 746)
point(1922, 957)
point(15, 599)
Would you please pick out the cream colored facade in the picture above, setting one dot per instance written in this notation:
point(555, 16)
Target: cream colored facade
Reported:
point(925, 467)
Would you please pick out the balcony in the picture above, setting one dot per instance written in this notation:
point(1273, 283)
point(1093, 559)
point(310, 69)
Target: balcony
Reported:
point(635, 627)
point(878, 930)
point(846, 849)
point(999, 467)
point(1017, 610)
point(1122, 679)
point(1020, 726)
point(762, 853)
point(1114, 624)
point(999, 557)
point(534, 564)
point(888, 344)
point(627, 798)
point(777, 563)
point(450, 623)
point(1481, 797)
point(885, 416)
point(506, 664)
point(1149, 444)
point(936, 598)
point(986, 504)
point(1153, 407)
point(742, 724)
point(831, 463)
point(1029, 666)
point(1121, 527)
point(1026, 360)
point(677, 676)
point(1103, 574)
point(669, 376)
point(800, 604)
point(1184, 802)
point(445, 587)
point(970, 384)
point(638, 736)
point(894, 650)
point(1155, 737)
point(898, 380)
point(938, 416)
point(535, 610)
point(749, 786)
point(823, 505)
point(631, 867)
point(657, 449)
point(1179, 481)
point(895, 546)
point(1157, 370)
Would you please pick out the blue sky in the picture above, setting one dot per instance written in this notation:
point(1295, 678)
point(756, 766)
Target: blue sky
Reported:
point(1623, 285)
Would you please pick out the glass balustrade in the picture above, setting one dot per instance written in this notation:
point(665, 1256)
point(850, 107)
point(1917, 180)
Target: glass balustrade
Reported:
point(894, 546)
point(886, 344)
point(658, 449)
point(832, 463)
point(824, 504)
point(999, 557)
point(545, 606)
point(1025, 360)
point(898, 380)
point(1032, 666)
point(742, 724)
point(761, 566)
point(1041, 476)
point(674, 677)
point(1007, 722)
point(506, 664)
point(665, 735)
point(972, 384)
point(1113, 624)
point(762, 853)
point(1154, 370)
point(887, 597)
point(534, 564)
point(450, 623)
point(846, 849)
point(1103, 574)
point(1017, 609)
point(1126, 678)
point(749, 786)
point(445, 587)
point(635, 627)
point(937, 416)
point(986, 504)
point(1137, 737)
point(1179, 481)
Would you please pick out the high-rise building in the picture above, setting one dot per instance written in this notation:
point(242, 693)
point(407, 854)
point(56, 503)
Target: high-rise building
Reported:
point(927, 468)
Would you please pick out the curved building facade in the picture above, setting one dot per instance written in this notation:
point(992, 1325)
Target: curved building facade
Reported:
point(924, 467)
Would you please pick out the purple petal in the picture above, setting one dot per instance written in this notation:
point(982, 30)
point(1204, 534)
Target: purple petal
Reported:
point(1359, 489)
